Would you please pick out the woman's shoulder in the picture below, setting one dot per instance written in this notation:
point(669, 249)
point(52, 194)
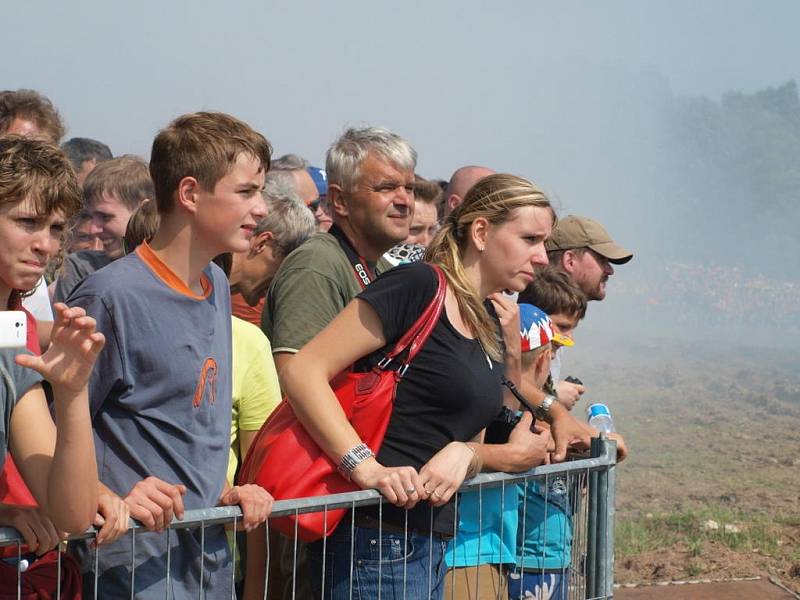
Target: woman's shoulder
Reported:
point(419, 275)
point(412, 283)
point(400, 295)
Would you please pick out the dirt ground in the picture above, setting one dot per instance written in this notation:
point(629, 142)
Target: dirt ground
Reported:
point(671, 564)
point(762, 589)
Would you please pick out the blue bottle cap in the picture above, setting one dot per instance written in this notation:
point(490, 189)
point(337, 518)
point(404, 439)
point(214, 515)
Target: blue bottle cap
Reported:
point(597, 409)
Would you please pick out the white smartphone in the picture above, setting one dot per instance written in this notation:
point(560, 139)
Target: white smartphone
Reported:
point(13, 329)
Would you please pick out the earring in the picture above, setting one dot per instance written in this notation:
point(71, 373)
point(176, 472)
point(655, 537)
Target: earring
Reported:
point(481, 249)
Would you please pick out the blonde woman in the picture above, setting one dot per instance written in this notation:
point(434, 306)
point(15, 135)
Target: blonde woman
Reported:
point(451, 392)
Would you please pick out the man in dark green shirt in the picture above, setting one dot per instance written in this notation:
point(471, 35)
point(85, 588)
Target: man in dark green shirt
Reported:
point(371, 192)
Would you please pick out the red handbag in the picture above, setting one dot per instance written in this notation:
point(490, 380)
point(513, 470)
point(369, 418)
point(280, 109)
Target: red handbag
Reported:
point(286, 461)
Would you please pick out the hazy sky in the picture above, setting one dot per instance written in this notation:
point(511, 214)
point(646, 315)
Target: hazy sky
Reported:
point(466, 82)
point(557, 92)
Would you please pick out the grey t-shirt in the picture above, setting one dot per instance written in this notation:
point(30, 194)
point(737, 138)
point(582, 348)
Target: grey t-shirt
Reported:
point(14, 382)
point(160, 399)
point(312, 286)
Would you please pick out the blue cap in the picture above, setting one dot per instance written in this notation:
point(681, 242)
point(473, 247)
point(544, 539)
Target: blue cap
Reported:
point(320, 178)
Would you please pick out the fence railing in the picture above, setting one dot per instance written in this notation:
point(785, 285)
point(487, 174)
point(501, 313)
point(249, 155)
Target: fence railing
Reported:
point(585, 507)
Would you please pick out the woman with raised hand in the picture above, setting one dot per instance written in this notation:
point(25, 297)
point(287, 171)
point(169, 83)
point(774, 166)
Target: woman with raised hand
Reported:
point(450, 393)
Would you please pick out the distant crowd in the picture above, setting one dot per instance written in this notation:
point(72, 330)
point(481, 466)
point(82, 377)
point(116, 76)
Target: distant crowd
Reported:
point(171, 303)
point(715, 295)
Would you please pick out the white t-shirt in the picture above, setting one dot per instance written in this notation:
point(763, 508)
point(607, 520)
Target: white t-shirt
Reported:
point(38, 303)
point(555, 366)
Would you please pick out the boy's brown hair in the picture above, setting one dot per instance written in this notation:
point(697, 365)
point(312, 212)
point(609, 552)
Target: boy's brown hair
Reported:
point(426, 191)
point(202, 145)
point(33, 106)
point(142, 225)
point(554, 292)
point(39, 170)
point(127, 177)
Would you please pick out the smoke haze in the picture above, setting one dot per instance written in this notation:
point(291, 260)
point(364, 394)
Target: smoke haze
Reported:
point(617, 109)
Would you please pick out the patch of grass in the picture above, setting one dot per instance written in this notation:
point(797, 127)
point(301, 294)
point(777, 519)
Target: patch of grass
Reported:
point(688, 527)
point(634, 536)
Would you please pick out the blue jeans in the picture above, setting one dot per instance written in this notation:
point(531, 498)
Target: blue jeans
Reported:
point(401, 565)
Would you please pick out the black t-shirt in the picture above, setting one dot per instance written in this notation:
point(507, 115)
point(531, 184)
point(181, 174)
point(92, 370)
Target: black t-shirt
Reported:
point(451, 391)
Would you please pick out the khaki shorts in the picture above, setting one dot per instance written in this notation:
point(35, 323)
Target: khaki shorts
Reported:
point(475, 583)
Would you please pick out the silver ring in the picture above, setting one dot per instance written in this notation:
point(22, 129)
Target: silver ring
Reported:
point(411, 490)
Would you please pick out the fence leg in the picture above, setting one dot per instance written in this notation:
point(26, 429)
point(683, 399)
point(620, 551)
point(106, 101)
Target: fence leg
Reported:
point(592, 533)
point(600, 546)
point(610, 516)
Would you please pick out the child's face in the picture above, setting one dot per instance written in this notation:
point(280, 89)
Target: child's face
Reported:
point(28, 241)
point(227, 216)
point(110, 216)
point(564, 325)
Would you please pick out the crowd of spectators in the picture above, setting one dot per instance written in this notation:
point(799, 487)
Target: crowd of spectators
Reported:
point(176, 297)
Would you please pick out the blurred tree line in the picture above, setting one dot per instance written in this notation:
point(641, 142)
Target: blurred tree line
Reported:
point(733, 179)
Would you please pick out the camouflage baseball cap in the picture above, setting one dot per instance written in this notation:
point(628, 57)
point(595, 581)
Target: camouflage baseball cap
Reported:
point(581, 232)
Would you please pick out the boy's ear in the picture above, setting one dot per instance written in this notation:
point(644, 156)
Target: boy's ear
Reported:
point(188, 188)
point(539, 363)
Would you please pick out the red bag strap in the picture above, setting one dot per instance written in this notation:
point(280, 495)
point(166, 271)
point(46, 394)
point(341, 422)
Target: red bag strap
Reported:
point(418, 333)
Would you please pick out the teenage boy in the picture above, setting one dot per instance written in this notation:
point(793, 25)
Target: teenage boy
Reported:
point(555, 293)
point(161, 394)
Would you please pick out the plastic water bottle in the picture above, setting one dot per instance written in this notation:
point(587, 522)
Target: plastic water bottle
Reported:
point(599, 417)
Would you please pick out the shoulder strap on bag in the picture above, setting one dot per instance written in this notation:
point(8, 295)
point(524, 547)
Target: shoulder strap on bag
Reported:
point(418, 333)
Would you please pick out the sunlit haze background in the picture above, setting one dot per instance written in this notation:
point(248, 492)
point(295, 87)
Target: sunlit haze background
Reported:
point(656, 118)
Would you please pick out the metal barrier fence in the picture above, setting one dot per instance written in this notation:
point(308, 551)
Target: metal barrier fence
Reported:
point(585, 533)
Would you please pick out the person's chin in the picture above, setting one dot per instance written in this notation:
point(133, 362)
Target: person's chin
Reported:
point(27, 281)
point(600, 293)
point(113, 250)
point(238, 244)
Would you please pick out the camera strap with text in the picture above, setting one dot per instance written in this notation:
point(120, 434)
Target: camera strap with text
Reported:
point(363, 273)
